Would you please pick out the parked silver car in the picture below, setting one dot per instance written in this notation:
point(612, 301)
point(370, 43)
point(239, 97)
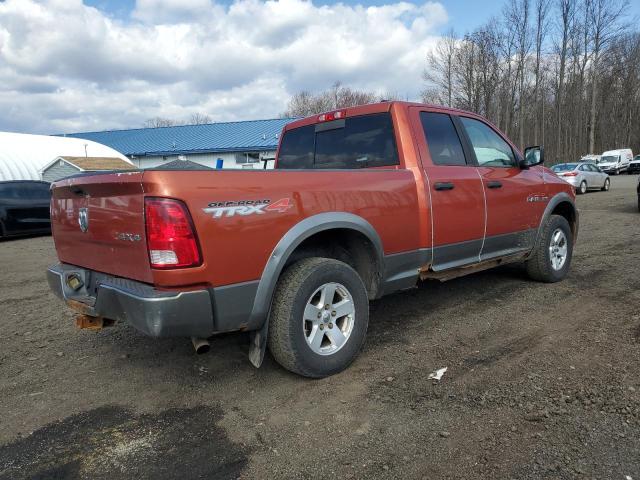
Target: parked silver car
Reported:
point(583, 176)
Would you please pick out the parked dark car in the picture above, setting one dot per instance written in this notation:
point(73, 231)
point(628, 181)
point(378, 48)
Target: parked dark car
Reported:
point(634, 166)
point(24, 208)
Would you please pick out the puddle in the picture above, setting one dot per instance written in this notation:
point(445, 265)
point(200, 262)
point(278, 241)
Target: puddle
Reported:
point(113, 443)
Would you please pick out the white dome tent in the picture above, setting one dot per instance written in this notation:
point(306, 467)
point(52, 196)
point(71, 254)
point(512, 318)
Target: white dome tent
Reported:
point(23, 156)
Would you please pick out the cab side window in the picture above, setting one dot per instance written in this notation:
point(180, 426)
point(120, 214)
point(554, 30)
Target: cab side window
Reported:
point(490, 149)
point(442, 139)
point(297, 148)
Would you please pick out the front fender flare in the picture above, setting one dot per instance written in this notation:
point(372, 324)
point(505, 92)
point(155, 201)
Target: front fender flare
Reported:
point(556, 200)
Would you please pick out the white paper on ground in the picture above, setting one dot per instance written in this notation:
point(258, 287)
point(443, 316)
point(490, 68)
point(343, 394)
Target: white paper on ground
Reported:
point(437, 375)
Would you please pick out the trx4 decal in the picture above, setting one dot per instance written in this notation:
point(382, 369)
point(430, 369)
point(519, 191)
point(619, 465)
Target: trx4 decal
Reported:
point(247, 207)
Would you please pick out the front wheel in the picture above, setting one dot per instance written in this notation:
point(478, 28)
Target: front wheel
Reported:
point(607, 185)
point(319, 317)
point(551, 257)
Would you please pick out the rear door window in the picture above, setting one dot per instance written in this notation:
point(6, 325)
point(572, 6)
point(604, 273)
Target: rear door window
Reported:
point(442, 139)
point(351, 143)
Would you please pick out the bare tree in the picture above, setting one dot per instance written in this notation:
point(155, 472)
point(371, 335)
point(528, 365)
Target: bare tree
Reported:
point(156, 122)
point(544, 84)
point(194, 119)
point(305, 103)
point(541, 28)
point(604, 18)
point(517, 14)
point(567, 12)
point(440, 68)
point(199, 119)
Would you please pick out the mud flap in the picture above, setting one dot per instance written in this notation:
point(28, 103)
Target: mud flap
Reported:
point(258, 345)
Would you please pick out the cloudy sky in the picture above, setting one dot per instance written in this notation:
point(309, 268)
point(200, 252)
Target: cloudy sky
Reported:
point(69, 65)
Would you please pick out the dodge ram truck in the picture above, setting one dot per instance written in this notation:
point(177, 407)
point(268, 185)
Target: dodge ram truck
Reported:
point(362, 202)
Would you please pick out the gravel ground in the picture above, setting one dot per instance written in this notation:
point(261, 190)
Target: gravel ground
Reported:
point(543, 381)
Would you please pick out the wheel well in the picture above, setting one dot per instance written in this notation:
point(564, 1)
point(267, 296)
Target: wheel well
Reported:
point(568, 211)
point(348, 246)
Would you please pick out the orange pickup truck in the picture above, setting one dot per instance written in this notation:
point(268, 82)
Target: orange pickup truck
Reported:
point(362, 202)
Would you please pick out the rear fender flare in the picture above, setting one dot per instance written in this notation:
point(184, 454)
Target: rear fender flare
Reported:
point(292, 239)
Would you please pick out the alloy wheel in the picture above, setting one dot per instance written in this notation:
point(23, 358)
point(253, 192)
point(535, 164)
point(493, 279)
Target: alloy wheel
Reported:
point(329, 316)
point(558, 249)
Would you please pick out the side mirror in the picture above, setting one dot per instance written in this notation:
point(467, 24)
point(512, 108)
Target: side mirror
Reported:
point(532, 156)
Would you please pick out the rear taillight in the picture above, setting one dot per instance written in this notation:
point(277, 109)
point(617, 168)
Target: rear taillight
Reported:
point(171, 238)
point(570, 174)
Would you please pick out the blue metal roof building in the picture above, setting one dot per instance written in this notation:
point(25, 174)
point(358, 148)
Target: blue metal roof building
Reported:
point(200, 143)
point(253, 135)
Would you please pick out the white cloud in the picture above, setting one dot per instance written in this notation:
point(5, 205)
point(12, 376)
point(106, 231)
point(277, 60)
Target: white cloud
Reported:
point(170, 11)
point(65, 66)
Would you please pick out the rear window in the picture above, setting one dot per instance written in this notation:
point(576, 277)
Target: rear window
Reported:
point(356, 142)
point(25, 191)
point(564, 167)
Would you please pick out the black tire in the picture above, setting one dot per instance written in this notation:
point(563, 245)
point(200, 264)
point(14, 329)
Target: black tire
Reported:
point(539, 265)
point(607, 185)
point(582, 189)
point(287, 341)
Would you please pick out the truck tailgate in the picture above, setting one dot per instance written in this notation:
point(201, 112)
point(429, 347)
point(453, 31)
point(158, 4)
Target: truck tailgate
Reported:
point(98, 223)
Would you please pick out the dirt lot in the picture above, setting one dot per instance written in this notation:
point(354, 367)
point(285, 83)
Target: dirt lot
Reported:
point(543, 381)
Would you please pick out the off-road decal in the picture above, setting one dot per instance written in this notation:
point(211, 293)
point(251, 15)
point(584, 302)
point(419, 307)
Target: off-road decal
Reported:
point(247, 207)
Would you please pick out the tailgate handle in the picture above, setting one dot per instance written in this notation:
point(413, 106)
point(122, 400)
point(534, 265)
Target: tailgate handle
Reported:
point(494, 184)
point(444, 186)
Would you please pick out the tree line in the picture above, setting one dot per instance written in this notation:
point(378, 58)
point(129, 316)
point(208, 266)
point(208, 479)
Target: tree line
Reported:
point(562, 73)
point(194, 119)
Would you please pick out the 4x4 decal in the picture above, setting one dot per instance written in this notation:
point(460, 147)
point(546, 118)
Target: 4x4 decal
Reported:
point(247, 207)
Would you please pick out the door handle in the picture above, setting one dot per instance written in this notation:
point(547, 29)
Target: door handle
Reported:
point(444, 186)
point(494, 184)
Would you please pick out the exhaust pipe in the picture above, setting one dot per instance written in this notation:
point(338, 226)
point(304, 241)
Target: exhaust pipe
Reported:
point(201, 345)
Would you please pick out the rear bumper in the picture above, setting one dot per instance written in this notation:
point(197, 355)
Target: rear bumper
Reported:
point(573, 181)
point(157, 313)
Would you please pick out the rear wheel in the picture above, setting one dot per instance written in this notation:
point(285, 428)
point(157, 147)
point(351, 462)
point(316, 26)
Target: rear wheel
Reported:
point(582, 189)
point(551, 258)
point(607, 185)
point(319, 317)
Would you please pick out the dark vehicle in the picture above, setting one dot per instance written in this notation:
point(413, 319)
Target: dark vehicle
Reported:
point(634, 165)
point(24, 208)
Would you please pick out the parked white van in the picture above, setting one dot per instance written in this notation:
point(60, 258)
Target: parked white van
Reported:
point(616, 161)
